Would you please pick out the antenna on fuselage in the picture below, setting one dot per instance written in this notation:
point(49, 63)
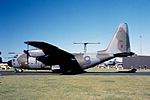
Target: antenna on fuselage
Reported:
point(85, 45)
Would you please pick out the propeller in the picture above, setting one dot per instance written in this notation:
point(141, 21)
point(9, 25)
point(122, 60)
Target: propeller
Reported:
point(27, 53)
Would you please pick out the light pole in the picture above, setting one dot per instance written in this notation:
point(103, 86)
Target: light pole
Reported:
point(141, 44)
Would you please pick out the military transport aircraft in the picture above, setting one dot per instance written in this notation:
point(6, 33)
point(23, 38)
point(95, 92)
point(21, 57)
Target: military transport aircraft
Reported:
point(48, 55)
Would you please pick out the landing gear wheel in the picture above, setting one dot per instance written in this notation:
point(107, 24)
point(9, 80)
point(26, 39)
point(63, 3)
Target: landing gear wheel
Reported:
point(20, 70)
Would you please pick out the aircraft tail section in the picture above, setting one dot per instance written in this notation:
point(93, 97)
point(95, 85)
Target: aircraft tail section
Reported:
point(120, 43)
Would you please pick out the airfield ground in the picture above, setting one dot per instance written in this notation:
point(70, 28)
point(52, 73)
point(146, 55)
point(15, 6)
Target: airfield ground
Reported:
point(75, 87)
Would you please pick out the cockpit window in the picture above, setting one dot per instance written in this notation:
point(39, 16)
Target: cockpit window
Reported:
point(13, 60)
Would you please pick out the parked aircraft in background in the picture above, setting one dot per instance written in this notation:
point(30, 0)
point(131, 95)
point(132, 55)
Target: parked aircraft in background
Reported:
point(3, 65)
point(115, 63)
point(111, 63)
point(48, 55)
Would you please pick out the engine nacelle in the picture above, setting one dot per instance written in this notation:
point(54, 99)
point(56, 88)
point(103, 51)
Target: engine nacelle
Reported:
point(35, 53)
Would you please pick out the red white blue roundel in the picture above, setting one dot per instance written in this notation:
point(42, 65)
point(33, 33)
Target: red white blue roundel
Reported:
point(87, 58)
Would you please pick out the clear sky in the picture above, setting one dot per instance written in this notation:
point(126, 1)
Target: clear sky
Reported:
point(63, 22)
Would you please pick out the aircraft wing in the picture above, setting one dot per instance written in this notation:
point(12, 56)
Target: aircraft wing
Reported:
point(56, 56)
point(50, 50)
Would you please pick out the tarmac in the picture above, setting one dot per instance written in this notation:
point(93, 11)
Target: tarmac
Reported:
point(123, 73)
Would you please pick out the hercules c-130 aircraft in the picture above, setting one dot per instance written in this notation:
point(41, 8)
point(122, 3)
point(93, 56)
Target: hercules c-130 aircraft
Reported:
point(47, 55)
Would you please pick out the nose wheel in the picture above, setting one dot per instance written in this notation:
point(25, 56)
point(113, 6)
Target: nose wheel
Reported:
point(18, 70)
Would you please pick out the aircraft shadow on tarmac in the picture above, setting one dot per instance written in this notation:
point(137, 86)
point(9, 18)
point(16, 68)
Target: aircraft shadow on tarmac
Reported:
point(130, 71)
point(51, 73)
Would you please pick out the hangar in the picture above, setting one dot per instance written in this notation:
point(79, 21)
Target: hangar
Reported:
point(138, 62)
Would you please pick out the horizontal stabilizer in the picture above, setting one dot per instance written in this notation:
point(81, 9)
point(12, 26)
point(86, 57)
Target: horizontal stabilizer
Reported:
point(125, 54)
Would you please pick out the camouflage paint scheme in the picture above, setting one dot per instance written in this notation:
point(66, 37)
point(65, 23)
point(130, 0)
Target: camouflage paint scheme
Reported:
point(49, 55)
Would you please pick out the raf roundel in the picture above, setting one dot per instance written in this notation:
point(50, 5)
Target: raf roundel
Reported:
point(87, 58)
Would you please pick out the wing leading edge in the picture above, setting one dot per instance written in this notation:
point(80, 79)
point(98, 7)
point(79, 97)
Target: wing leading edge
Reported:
point(50, 49)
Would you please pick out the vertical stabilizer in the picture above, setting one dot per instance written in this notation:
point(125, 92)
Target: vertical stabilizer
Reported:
point(120, 42)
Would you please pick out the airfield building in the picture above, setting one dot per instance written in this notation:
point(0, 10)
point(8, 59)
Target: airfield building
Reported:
point(138, 62)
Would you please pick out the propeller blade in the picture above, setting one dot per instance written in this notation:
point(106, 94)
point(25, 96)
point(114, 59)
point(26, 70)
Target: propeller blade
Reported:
point(26, 51)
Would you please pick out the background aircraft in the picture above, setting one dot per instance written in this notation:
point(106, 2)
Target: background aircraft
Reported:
point(111, 63)
point(3, 65)
point(48, 55)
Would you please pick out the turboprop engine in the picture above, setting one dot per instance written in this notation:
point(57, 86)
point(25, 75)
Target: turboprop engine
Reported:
point(34, 53)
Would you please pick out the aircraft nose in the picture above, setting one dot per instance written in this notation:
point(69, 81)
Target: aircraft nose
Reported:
point(9, 63)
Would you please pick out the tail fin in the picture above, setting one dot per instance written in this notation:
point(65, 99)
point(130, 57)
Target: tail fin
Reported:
point(120, 42)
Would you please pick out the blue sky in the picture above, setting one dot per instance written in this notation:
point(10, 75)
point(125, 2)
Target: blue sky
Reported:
point(63, 22)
